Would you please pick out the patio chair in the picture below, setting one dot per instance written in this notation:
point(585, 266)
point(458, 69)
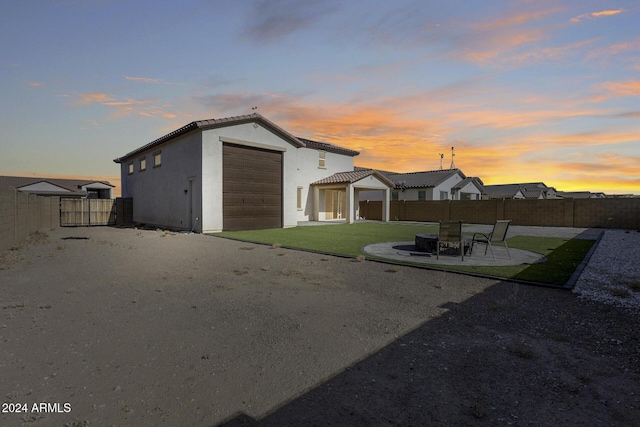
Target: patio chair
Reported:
point(450, 233)
point(497, 235)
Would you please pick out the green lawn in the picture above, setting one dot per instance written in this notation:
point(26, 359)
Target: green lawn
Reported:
point(564, 255)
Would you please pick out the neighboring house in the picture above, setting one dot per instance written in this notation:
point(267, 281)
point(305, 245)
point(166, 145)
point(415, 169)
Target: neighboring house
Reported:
point(531, 190)
point(447, 184)
point(579, 195)
point(59, 187)
point(242, 173)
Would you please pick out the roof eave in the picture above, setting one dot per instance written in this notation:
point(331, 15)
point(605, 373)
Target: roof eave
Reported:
point(213, 124)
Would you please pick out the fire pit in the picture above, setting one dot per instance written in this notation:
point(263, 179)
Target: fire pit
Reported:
point(426, 242)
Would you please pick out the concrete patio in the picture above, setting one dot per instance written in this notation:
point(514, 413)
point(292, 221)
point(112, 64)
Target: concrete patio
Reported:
point(405, 251)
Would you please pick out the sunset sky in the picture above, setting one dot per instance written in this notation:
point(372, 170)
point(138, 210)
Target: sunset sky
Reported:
point(525, 90)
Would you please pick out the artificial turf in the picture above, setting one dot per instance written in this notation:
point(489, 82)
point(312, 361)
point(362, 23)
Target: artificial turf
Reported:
point(563, 255)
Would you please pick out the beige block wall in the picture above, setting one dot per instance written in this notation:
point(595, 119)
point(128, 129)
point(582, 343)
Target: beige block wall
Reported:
point(581, 213)
point(22, 214)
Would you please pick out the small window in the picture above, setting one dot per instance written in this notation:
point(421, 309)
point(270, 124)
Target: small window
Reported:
point(299, 198)
point(143, 164)
point(395, 195)
point(444, 195)
point(422, 195)
point(130, 168)
point(322, 159)
point(157, 159)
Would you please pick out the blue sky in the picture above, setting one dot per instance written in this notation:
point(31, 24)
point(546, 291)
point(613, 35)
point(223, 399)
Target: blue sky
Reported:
point(525, 90)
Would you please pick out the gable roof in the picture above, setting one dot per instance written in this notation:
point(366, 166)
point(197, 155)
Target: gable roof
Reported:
point(327, 147)
point(232, 121)
point(578, 194)
point(535, 193)
point(423, 179)
point(350, 177)
point(477, 182)
point(502, 190)
point(67, 186)
point(529, 190)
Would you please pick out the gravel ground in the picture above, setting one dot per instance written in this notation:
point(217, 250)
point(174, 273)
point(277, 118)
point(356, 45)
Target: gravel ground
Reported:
point(147, 328)
point(612, 275)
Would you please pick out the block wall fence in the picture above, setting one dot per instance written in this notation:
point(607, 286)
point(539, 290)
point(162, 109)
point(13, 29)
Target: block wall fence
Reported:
point(623, 213)
point(23, 214)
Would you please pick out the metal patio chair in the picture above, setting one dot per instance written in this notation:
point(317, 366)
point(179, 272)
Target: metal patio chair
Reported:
point(497, 235)
point(450, 233)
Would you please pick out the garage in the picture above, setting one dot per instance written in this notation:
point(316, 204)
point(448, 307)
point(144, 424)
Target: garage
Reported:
point(251, 188)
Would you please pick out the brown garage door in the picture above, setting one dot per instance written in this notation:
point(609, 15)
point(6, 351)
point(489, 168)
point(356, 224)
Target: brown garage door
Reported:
point(252, 188)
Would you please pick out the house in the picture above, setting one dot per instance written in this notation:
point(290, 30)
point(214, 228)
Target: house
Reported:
point(76, 188)
point(242, 173)
point(447, 184)
point(580, 195)
point(531, 190)
point(503, 191)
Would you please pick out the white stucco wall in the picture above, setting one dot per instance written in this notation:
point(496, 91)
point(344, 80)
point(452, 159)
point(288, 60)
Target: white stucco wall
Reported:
point(470, 189)
point(191, 175)
point(250, 135)
point(158, 193)
point(308, 171)
point(371, 185)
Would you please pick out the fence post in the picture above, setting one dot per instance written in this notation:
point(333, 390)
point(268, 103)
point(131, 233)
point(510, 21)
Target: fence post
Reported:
point(15, 214)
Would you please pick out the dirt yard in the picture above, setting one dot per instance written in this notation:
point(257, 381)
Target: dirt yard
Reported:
point(105, 326)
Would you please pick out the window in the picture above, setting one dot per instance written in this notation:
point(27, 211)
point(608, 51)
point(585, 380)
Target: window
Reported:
point(322, 159)
point(422, 195)
point(394, 195)
point(444, 195)
point(157, 159)
point(299, 198)
point(143, 164)
point(130, 168)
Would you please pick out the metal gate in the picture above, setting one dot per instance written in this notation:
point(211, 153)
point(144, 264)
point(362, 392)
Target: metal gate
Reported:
point(84, 212)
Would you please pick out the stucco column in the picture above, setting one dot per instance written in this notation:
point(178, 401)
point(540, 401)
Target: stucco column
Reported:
point(349, 209)
point(316, 203)
point(386, 201)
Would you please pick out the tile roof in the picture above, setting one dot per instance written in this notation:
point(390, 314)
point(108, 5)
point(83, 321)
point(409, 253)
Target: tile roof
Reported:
point(529, 190)
point(328, 147)
point(422, 179)
point(502, 191)
point(230, 121)
point(577, 194)
point(350, 177)
point(469, 180)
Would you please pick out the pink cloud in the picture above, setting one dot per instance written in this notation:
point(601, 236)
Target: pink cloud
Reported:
point(125, 107)
point(617, 89)
point(94, 97)
point(592, 15)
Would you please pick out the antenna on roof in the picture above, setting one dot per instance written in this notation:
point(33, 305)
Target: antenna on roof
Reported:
point(441, 157)
point(452, 156)
point(255, 110)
